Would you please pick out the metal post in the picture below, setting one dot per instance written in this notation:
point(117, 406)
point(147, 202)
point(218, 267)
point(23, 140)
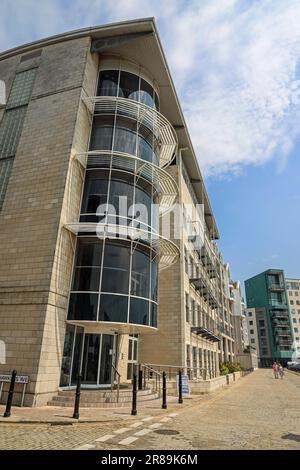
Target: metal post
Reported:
point(164, 394)
point(180, 399)
point(77, 398)
point(10, 394)
point(140, 379)
point(134, 395)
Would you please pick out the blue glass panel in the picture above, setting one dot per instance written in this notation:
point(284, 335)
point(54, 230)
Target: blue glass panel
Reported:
point(113, 308)
point(139, 311)
point(83, 306)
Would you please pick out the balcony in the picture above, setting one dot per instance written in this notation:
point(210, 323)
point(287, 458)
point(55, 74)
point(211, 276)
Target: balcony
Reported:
point(167, 252)
point(276, 287)
point(277, 304)
point(160, 179)
point(143, 114)
point(205, 333)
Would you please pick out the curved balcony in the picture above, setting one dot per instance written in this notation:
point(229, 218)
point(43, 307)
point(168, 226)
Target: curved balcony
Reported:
point(144, 115)
point(163, 183)
point(166, 251)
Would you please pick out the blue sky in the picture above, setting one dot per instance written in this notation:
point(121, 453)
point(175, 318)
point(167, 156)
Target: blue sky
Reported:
point(236, 68)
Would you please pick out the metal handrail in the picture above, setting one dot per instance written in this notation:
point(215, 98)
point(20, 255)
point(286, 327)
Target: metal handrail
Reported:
point(116, 372)
point(151, 371)
point(203, 373)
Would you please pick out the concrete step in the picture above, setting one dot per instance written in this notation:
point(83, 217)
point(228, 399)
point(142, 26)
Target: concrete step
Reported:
point(101, 402)
point(101, 398)
point(92, 394)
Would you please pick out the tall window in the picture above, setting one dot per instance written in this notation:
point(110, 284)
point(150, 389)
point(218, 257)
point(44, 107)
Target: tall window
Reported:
point(12, 124)
point(187, 307)
point(127, 85)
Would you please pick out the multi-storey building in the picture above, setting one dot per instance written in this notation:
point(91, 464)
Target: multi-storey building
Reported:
point(293, 291)
point(239, 318)
point(268, 309)
point(92, 134)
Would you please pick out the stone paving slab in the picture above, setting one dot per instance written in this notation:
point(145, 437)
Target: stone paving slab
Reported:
point(51, 414)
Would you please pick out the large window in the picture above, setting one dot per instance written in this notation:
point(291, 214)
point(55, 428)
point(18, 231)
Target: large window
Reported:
point(129, 202)
point(114, 281)
point(12, 124)
point(124, 135)
point(127, 85)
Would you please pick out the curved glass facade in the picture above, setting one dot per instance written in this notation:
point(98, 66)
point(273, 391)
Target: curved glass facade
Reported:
point(120, 133)
point(121, 197)
point(127, 85)
point(114, 281)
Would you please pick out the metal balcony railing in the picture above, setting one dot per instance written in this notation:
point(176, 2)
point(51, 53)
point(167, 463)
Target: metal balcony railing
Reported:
point(167, 251)
point(276, 287)
point(163, 183)
point(206, 333)
point(144, 115)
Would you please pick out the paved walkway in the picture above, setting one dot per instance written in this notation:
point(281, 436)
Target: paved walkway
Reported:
point(256, 412)
point(259, 412)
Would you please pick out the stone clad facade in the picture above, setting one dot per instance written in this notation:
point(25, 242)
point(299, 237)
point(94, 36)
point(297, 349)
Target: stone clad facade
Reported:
point(44, 194)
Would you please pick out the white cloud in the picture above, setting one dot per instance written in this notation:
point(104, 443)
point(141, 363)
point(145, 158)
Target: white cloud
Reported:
point(234, 63)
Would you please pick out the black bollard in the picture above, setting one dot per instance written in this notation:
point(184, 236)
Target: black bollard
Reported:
point(134, 395)
point(10, 394)
point(77, 398)
point(180, 399)
point(164, 390)
point(140, 379)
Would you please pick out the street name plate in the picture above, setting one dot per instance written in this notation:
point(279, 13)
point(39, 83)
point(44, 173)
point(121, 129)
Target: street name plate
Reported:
point(20, 379)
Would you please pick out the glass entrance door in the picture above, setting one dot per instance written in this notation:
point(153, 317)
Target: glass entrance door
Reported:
point(92, 354)
point(97, 359)
point(90, 359)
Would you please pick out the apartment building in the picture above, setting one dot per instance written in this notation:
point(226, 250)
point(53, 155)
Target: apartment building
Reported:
point(92, 119)
point(293, 292)
point(268, 317)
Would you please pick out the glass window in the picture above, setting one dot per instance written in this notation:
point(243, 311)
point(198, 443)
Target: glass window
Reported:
point(129, 86)
point(5, 170)
point(116, 265)
point(95, 191)
point(10, 131)
point(113, 308)
point(83, 306)
point(89, 252)
point(140, 274)
point(67, 356)
point(121, 195)
point(86, 279)
point(154, 280)
point(187, 307)
point(125, 136)
point(146, 94)
point(21, 89)
point(139, 311)
point(108, 83)
point(153, 314)
point(142, 208)
point(77, 355)
point(102, 133)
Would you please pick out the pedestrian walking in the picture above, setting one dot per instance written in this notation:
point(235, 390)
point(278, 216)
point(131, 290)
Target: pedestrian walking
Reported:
point(281, 371)
point(275, 369)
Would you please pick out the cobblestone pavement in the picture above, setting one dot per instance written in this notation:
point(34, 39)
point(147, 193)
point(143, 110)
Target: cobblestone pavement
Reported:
point(257, 412)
